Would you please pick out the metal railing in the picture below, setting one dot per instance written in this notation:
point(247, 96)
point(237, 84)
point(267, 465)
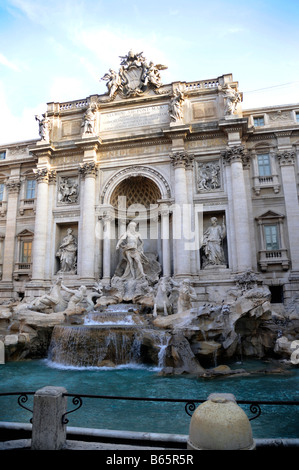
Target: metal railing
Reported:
point(190, 404)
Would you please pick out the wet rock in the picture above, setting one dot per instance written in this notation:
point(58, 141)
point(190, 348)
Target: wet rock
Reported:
point(180, 357)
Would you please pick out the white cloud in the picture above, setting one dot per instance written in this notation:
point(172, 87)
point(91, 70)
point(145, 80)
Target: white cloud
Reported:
point(17, 128)
point(108, 44)
point(43, 13)
point(66, 89)
point(7, 63)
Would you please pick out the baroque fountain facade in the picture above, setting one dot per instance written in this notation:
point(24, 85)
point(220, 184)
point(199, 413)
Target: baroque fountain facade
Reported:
point(162, 227)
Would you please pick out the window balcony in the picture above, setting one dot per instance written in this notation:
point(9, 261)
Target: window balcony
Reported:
point(22, 269)
point(26, 204)
point(274, 258)
point(264, 182)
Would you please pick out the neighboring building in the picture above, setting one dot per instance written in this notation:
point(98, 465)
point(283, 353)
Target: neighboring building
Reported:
point(161, 146)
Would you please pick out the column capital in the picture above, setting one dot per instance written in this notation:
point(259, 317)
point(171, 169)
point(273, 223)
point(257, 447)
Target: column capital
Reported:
point(44, 175)
point(13, 185)
point(165, 209)
point(88, 169)
point(236, 153)
point(286, 157)
point(181, 159)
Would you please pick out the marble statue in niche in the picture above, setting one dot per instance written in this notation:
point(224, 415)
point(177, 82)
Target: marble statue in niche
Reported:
point(67, 253)
point(68, 190)
point(212, 244)
point(208, 176)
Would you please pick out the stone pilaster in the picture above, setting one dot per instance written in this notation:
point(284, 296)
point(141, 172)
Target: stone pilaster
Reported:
point(49, 266)
point(13, 186)
point(43, 175)
point(181, 214)
point(164, 212)
point(286, 159)
point(194, 254)
point(88, 171)
point(106, 221)
point(235, 157)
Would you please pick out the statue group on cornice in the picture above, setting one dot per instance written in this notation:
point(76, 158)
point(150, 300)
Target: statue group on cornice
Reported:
point(134, 77)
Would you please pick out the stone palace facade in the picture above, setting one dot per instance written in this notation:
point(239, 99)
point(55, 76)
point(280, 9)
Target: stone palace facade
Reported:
point(169, 157)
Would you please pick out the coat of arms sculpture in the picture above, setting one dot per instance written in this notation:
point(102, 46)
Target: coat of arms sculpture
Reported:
point(134, 77)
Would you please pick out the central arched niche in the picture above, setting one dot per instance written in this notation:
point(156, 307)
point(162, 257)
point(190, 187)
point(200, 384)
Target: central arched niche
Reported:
point(137, 190)
point(137, 198)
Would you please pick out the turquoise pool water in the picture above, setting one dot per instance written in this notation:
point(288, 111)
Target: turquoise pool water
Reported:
point(274, 422)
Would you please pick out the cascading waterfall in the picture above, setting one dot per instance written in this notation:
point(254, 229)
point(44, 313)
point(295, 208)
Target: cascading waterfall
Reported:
point(94, 346)
point(116, 336)
point(162, 353)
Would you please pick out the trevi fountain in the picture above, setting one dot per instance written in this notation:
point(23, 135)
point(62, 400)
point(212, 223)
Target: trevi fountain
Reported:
point(144, 317)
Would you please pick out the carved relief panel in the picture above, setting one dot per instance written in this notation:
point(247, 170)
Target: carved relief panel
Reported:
point(68, 190)
point(208, 176)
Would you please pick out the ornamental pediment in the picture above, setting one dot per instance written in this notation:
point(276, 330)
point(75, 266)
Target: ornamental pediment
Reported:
point(25, 233)
point(270, 215)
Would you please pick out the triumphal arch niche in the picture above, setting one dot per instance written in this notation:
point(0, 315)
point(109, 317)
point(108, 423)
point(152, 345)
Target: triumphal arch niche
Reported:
point(136, 194)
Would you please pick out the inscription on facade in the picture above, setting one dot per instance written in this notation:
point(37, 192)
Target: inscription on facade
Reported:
point(138, 117)
point(204, 110)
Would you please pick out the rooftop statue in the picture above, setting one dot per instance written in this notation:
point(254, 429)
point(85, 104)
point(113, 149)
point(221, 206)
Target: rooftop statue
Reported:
point(134, 77)
point(89, 119)
point(175, 106)
point(44, 126)
point(232, 99)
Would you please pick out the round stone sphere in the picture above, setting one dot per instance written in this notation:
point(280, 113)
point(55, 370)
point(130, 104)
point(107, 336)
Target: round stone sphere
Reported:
point(220, 424)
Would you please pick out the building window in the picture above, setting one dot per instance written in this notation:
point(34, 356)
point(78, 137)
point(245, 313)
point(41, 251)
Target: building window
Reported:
point(30, 189)
point(297, 117)
point(264, 165)
point(26, 251)
point(271, 237)
point(258, 121)
point(276, 294)
point(1, 191)
point(2, 155)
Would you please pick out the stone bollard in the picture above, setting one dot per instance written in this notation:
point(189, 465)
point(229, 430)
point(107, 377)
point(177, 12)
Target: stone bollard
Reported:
point(220, 424)
point(48, 432)
point(2, 352)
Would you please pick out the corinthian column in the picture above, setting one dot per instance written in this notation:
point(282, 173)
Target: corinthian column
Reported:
point(41, 224)
point(89, 171)
point(106, 220)
point(181, 215)
point(235, 156)
point(287, 165)
point(165, 240)
point(13, 186)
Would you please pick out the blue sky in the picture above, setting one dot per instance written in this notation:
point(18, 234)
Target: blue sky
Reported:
point(57, 50)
